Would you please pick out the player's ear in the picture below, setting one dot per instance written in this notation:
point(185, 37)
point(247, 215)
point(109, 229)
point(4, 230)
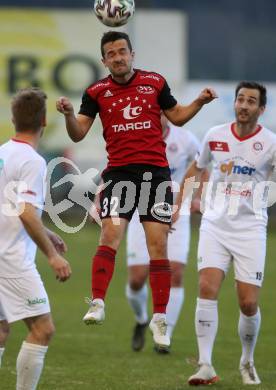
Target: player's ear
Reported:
point(44, 122)
point(133, 55)
point(262, 110)
point(103, 61)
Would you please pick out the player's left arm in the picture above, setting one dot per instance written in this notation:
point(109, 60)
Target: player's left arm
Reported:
point(180, 114)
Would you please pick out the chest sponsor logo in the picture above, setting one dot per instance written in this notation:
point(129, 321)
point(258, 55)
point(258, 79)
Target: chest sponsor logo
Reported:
point(145, 89)
point(132, 126)
point(1, 164)
point(108, 93)
point(217, 146)
point(131, 112)
point(232, 168)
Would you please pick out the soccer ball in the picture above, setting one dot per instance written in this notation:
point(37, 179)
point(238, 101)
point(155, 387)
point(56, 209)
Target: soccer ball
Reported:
point(114, 13)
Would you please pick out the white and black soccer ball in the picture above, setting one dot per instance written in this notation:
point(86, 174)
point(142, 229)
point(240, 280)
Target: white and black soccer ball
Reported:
point(114, 13)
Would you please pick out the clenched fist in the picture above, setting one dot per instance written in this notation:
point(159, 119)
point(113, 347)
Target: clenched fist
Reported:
point(64, 106)
point(206, 96)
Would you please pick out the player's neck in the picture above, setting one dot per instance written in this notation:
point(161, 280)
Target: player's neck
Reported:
point(29, 138)
point(245, 129)
point(123, 79)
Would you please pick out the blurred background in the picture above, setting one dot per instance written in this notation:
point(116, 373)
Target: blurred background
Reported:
point(193, 43)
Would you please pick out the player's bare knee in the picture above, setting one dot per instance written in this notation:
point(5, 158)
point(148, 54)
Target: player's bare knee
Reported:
point(136, 283)
point(157, 249)
point(176, 279)
point(207, 290)
point(177, 270)
point(110, 238)
point(4, 332)
point(248, 307)
point(44, 332)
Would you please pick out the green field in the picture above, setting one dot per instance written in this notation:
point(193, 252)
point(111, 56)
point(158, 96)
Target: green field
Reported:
point(100, 358)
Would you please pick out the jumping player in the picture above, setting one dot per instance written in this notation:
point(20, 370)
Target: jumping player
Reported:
point(129, 103)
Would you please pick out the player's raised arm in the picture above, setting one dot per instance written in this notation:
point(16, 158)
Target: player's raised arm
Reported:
point(180, 114)
point(77, 126)
point(36, 230)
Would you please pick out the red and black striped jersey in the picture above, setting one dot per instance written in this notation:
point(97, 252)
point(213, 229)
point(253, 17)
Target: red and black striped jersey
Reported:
point(130, 115)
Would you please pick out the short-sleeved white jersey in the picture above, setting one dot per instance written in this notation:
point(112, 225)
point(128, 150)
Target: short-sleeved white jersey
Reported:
point(19, 163)
point(235, 195)
point(182, 147)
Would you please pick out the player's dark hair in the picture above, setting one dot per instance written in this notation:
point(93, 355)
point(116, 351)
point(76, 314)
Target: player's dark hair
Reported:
point(28, 109)
point(112, 36)
point(253, 85)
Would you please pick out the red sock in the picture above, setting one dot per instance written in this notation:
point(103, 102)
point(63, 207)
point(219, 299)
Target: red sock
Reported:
point(160, 283)
point(102, 270)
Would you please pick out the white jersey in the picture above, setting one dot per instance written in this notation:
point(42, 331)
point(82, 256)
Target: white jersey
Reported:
point(19, 163)
point(236, 189)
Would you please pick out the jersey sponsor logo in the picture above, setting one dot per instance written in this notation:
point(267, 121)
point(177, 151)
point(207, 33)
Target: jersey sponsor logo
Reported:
point(206, 323)
point(37, 301)
point(258, 146)
point(1, 164)
point(247, 193)
point(217, 146)
point(108, 93)
point(132, 126)
point(131, 112)
point(236, 169)
point(150, 76)
point(145, 89)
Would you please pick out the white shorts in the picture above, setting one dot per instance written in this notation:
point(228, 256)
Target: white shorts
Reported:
point(23, 297)
point(219, 250)
point(178, 242)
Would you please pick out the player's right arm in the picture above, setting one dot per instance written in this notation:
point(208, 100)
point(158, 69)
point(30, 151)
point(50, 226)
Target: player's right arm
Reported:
point(77, 126)
point(38, 233)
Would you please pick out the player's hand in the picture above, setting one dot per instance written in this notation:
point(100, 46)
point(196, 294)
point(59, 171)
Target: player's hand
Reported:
point(206, 96)
point(61, 267)
point(64, 106)
point(57, 241)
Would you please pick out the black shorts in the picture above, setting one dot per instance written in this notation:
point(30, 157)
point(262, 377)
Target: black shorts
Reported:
point(146, 187)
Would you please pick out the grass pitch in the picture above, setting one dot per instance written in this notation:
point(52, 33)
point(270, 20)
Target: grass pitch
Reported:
point(100, 357)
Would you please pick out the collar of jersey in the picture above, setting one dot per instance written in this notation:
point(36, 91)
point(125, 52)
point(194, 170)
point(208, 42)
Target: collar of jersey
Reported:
point(258, 129)
point(128, 82)
point(20, 141)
